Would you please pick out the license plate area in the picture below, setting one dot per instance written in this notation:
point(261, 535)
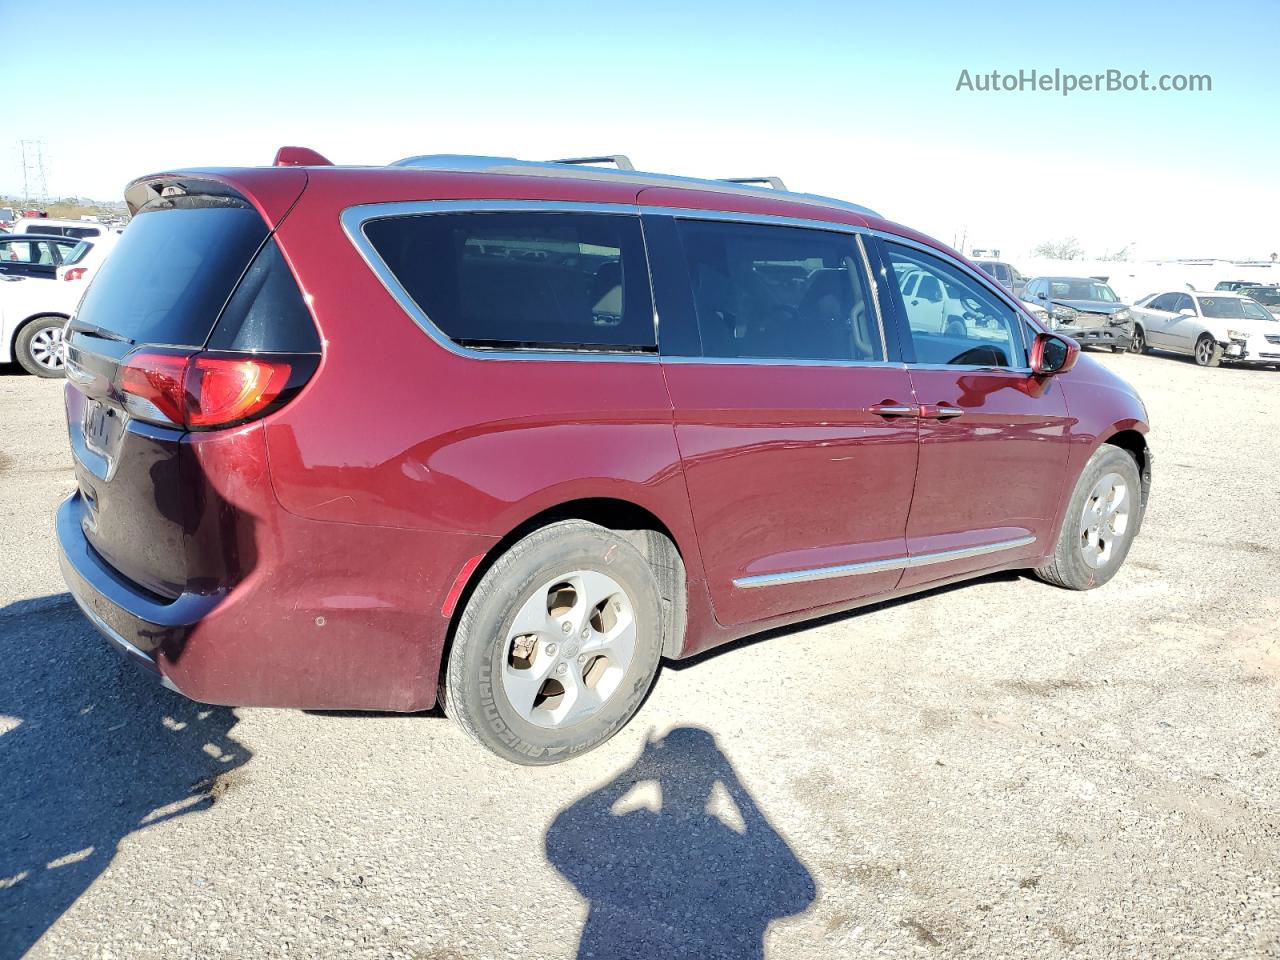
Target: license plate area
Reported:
point(102, 426)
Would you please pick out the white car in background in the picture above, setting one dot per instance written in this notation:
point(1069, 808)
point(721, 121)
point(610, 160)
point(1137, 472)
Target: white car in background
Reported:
point(33, 312)
point(1208, 326)
point(86, 257)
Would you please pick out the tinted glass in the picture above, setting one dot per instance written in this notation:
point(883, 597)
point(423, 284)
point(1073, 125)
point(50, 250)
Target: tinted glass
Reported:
point(1268, 295)
point(986, 266)
point(1163, 302)
point(1002, 273)
point(81, 231)
point(964, 323)
point(1182, 302)
point(266, 313)
point(568, 280)
point(171, 273)
point(781, 293)
point(1228, 308)
point(77, 253)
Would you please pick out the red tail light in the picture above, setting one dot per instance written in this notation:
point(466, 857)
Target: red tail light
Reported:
point(74, 273)
point(222, 391)
point(204, 391)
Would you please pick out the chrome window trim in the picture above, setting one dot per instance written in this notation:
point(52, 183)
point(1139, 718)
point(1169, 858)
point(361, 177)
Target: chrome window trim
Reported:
point(783, 362)
point(878, 566)
point(354, 219)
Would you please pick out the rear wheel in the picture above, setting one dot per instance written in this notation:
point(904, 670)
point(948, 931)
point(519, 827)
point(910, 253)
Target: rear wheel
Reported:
point(1208, 351)
point(557, 646)
point(39, 346)
point(1101, 520)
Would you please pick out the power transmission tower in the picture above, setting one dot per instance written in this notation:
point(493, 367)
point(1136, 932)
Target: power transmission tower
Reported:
point(34, 185)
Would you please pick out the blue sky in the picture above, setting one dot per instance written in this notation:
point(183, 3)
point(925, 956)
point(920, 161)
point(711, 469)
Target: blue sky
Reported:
point(856, 100)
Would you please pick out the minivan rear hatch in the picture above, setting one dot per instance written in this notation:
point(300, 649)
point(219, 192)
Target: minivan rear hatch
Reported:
point(197, 274)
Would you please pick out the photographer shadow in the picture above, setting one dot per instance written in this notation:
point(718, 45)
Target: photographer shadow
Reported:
point(91, 751)
point(678, 881)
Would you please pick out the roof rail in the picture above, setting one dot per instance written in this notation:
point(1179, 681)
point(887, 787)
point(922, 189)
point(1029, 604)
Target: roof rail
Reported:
point(580, 168)
point(775, 182)
point(619, 160)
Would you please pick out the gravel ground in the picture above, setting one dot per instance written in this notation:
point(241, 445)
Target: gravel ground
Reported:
point(1001, 769)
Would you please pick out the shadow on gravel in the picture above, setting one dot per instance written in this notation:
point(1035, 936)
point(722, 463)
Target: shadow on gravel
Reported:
point(91, 750)
point(677, 881)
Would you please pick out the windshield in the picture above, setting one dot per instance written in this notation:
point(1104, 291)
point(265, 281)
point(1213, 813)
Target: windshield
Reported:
point(1082, 290)
point(1231, 308)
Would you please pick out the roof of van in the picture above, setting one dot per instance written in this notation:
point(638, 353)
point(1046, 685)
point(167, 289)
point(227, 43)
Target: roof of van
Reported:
point(453, 177)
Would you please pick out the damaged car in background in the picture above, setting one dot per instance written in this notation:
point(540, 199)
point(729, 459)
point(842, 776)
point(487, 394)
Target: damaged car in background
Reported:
point(1209, 327)
point(1085, 309)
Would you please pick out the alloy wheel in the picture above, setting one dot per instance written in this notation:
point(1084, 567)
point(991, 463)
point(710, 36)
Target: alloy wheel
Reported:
point(568, 648)
point(46, 348)
point(1105, 519)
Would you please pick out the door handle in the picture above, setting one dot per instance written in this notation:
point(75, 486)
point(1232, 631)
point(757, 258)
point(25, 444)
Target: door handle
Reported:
point(891, 409)
point(939, 411)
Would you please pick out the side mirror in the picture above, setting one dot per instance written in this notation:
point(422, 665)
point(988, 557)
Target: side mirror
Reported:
point(1186, 312)
point(1041, 295)
point(1052, 354)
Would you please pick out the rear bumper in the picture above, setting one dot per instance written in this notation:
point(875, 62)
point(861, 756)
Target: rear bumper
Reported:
point(330, 616)
point(138, 624)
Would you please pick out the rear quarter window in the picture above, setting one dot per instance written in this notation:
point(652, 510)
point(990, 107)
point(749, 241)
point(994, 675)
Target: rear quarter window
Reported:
point(576, 281)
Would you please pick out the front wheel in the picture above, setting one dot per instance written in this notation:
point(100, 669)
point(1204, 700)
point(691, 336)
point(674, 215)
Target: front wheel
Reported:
point(1101, 520)
point(1139, 342)
point(557, 646)
point(38, 348)
point(1208, 351)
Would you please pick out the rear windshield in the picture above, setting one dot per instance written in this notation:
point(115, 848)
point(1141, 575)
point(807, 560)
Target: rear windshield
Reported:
point(171, 273)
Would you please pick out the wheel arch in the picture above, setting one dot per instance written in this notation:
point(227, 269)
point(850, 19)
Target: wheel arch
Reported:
point(1133, 440)
point(638, 524)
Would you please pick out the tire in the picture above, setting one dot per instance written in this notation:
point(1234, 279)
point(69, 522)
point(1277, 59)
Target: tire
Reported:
point(35, 346)
point(1139, 342)
point(1077, 562)
point(517, 693)
point(1208, 352)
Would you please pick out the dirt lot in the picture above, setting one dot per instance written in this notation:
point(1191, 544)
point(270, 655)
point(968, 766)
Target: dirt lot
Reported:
point(997, 770)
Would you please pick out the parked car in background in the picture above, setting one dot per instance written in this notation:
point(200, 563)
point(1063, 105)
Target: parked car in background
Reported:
point(1233, 286)
point(86, 257)
point(34, 255)
point(32, 314)
point(467, 463)
point(1210, 327)
point(50, 226)
point(1005, 274)
point(1085, 309)
point(1268, 295)
point(8, 217)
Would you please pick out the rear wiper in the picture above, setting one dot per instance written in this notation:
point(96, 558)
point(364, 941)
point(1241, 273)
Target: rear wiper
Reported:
point(77, 327)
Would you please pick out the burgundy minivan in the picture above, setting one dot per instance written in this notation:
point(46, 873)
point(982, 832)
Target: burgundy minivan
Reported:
point(509, 433)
